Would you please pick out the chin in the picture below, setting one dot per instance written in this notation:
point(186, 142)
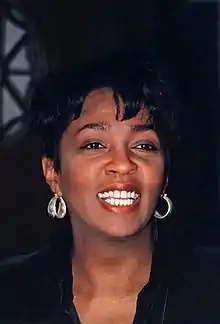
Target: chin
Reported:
point(123, 234)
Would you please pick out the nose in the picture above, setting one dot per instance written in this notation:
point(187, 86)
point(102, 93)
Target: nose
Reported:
point(121, 163)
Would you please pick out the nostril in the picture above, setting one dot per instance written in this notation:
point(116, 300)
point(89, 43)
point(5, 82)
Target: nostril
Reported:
point(122, 169)
point(112, 171)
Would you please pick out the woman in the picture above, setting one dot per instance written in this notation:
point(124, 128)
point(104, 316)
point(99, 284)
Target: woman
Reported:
point(106, 130)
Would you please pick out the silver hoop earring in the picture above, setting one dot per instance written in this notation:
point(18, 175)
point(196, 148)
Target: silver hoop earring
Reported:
point(52, 207)
point(169, 210)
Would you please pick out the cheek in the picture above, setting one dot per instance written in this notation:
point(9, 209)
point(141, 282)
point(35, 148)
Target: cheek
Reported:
point(154, 175)
point(77, 177)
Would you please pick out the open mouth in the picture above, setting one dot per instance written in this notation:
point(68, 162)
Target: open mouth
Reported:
point(119, 197)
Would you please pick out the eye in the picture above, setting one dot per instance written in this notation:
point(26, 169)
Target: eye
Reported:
point(146, 147)
point(93, 146)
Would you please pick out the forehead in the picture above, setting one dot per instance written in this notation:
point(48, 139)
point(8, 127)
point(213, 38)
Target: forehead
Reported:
point(101, 103)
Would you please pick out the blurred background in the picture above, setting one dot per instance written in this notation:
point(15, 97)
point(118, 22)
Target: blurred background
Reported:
point(41, 36)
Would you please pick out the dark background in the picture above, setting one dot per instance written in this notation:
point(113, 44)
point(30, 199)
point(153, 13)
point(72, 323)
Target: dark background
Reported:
point(183, 34)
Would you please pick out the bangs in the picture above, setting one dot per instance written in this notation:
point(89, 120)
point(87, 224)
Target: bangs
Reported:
point(130, 100)
point(132, 105)
point(133, 97)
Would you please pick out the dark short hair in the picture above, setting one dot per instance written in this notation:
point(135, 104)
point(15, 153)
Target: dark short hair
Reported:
point(58, 99)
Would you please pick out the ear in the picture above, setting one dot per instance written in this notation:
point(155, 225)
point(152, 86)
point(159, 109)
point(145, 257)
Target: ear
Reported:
point(51, 176)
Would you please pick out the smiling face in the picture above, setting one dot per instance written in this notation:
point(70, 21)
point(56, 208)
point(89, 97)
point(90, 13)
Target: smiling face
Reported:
point(111, 171)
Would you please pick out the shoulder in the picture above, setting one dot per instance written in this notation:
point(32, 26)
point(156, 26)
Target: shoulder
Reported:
point(26, 282)
point(196, 293)
point(206, 278)
point(24, 266)
point(204, 270)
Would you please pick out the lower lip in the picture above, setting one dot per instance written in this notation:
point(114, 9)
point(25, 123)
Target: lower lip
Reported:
point(120, 209)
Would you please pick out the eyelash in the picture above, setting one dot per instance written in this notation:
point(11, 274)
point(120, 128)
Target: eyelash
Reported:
point(93, 146)
point(148, 147)
point(98, 146)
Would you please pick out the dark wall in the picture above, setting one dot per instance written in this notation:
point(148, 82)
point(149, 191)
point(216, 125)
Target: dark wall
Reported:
point(24, 196)
point(189, 42)
point(73, 31)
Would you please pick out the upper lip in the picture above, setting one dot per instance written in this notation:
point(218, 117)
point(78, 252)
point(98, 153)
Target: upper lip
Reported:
point(121, 186)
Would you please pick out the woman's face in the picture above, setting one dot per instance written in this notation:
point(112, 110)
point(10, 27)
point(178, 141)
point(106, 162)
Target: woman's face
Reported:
point(111, 171)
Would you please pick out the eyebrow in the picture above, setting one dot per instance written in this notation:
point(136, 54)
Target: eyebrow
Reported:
point(100, 126)
point(103, 126)
point(141, 128)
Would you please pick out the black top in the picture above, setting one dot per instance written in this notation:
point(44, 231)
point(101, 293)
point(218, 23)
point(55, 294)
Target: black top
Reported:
point(37, 288)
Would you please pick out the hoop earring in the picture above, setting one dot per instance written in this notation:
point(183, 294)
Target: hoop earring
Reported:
point(169, 210)
point(52, 208)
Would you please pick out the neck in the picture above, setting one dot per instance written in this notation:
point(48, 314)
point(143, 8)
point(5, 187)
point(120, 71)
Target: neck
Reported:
point(105, 265)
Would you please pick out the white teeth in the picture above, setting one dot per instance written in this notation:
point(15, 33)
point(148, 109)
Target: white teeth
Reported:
point(119, 202)
point(117, 194)
point(123, 194)
point(133, 194)
point(112, 201)
point(119, 198)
